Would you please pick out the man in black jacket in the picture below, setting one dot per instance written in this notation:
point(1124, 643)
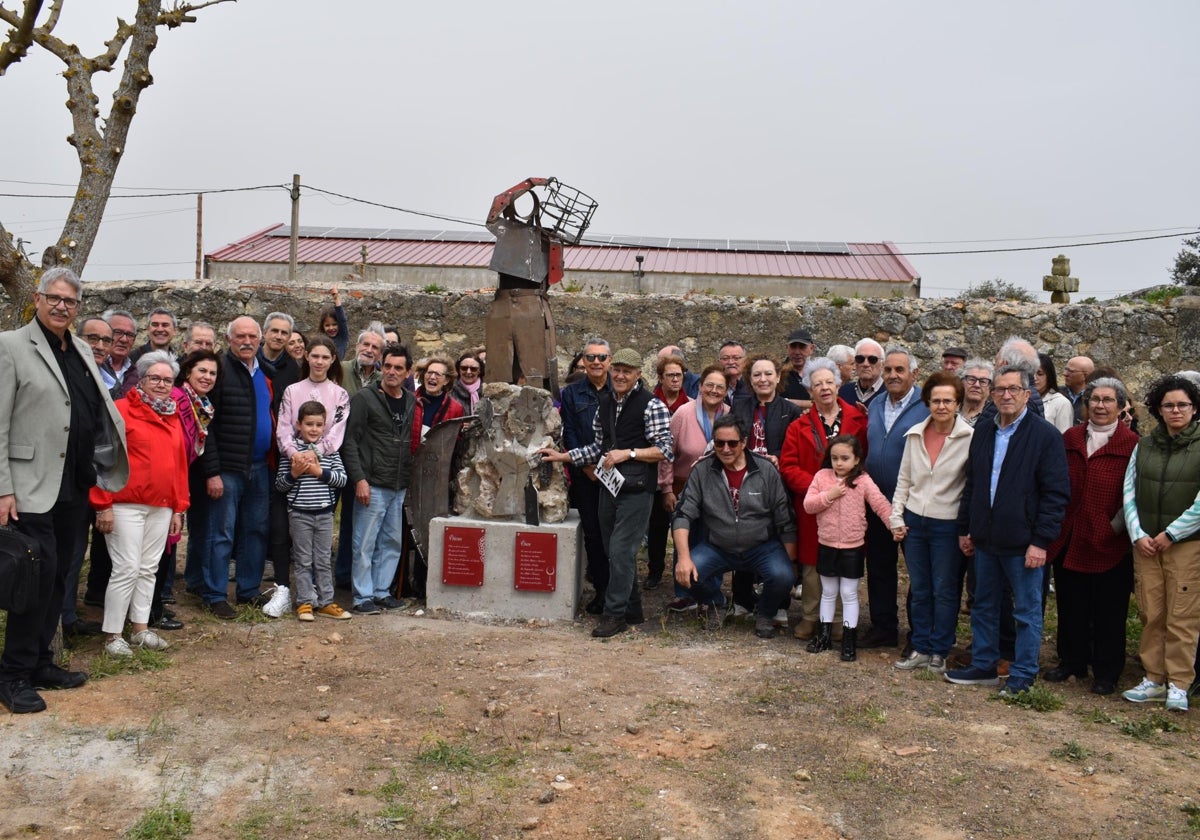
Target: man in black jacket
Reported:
point(1012, 509)
point(283, 371)
point(238, 475)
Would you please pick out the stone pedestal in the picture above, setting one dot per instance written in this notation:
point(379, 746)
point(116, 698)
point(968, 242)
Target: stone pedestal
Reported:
point(505, 585)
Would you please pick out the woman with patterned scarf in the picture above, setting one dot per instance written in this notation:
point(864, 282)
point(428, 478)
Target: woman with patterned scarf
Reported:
point(137, 520)
point(198, 373)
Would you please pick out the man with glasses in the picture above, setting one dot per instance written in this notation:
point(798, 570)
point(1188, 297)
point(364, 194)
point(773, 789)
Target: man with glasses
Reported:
point(60, 434)
point(578, 405)
point(99, 336)
point(868, 363)
point(119, 372)
point(1075, 377)
point(747, 517)
point(631, 433)
point(731, 356)
point(1012, 509)
point(201, 335)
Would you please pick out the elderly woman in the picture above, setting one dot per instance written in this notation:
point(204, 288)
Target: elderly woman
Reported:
point(1093, 568)
point(1162, 514)
point(843, 356)
point(929, 487)
point(976, 376)
point(138, 519)
point(1057, 408)
point(470, 381)
point(433, 394)
point(803, 450)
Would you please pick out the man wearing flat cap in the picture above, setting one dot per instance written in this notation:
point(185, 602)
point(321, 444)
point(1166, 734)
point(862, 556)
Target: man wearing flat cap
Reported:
point(954, 358)
point(800, 348)
point(632, 434)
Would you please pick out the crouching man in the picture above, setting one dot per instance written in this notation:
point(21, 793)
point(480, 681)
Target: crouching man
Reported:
point(739, 502)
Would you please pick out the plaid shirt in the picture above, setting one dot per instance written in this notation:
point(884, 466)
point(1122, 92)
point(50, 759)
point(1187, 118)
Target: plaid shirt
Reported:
point(657, 419)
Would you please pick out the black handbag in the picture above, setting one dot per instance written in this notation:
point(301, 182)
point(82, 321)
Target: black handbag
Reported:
point(20, 571)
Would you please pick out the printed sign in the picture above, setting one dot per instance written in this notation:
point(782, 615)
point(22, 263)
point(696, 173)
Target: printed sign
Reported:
point(535, 561)
point(462, 556)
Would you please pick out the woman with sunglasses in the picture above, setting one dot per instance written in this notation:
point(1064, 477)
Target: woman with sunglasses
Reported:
point(470, 381)
point(433, 395)
point(1162, 515)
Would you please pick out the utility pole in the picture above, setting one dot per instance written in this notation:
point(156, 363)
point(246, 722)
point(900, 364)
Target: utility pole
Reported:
point(295, 229)
point(199, 236)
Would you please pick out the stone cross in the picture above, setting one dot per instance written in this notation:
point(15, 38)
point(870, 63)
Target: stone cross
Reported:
point(1059, 281)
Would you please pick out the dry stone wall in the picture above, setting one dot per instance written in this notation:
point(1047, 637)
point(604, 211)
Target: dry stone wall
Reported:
point(1139, 340)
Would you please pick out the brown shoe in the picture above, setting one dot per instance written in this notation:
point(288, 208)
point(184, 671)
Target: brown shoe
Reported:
point(1002, 668)
point(805, 629)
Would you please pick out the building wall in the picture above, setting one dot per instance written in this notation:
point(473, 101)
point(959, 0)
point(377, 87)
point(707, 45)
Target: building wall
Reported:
point(1140, 341)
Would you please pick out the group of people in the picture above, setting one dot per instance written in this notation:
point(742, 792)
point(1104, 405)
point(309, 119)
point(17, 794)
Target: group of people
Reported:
point(798, 478)
point(995, 482)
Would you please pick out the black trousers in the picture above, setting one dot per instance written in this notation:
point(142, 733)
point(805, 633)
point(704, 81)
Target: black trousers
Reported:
point(883, 577)
point(27, 637)
point(585, 497)
point(1091, 619)
point(99, 570)
point(279, 537)
point(656, 536)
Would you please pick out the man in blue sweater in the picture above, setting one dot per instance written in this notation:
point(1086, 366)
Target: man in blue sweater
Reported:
point(888, 419)
point(1012, 508)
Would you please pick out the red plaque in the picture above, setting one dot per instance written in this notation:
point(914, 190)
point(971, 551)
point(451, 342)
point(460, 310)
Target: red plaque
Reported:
point(462, 556)
point(535, 561)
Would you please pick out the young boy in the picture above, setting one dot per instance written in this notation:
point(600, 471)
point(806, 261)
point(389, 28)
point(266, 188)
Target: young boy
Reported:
point(311, 483)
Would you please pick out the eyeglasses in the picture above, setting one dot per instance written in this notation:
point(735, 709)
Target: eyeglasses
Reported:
point(436, 373)
point(725, 444)
point(871, 360)
point(469, 368)
point(59, 300)
point(714, 388)
point(943, 402)
point(672, 376)
point(157, 380)
point(123, 334)
point(1102, 401)
point(93, 338)
point(1175, 406)
point(731, 358)
point(977, 380)
point(1010, 390)
point(596, 357)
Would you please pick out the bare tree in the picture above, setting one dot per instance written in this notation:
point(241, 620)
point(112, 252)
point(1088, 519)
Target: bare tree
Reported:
point(99, 142)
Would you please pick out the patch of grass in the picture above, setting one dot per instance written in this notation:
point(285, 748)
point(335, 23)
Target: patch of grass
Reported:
point(458, 757)
point(165, 821)
point(571, 287)
point(248, 614)
point(1193, 815)
point(433, 289)
point(1149, 728)
point(859, 771)
point(1164, 295)
point(958, 779)
point(392, 789)
point(1038, 698)
point(397, 812)
point(927, 675)
point(839, 301)
point(253, 826)
point(143, 660)
point(863, 714)
point(1097, 715)
point(1072, 751)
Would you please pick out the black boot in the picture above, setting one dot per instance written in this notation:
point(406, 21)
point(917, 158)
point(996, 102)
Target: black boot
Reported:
point(823, 640)
point(849, 644)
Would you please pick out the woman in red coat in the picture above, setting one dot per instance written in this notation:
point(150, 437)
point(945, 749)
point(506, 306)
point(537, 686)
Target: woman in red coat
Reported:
point(1093, 564)
point(803, 449)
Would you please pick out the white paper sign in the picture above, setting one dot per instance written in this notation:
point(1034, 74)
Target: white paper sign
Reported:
point(611, 479)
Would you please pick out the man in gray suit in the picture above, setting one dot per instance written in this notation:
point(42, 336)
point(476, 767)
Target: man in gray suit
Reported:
point(60, 434)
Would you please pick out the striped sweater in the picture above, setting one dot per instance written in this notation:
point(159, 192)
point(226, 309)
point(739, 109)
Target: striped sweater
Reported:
point(308, 492)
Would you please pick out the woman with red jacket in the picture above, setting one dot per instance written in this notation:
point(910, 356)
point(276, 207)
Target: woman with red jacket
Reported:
point(433, 395)
point(800, 459)
point(138, 519)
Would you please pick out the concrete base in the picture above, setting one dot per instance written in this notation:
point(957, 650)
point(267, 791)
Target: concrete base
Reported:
point(499, 595)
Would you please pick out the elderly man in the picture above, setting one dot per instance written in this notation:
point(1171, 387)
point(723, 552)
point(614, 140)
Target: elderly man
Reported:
point(742, 503)
point(364, 368)
point(578, 405)
point(954, 358)
point(237, 473)
point(161, 329)
point(1075, 377)
point(731, 356)
point(888, 421)
point(61, 434)
point(119, 372)
point(201, 335)
point(800, 348)
point(283, 371)
point(631, 434)
point(1012, 509)
point(868, 364)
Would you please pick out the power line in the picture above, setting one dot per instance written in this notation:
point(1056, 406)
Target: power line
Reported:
point(1036, 238)
point(438, 216)
point(164, 194)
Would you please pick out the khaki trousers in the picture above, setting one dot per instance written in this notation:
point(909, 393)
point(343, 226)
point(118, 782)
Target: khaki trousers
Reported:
point(1167, 587)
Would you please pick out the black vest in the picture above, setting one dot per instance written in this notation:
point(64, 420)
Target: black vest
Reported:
point(628, 431)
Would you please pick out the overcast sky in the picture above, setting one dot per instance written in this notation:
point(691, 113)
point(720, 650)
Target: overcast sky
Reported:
point(938, 125)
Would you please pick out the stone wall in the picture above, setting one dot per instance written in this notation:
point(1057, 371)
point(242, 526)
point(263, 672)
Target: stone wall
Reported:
point(1140, 341)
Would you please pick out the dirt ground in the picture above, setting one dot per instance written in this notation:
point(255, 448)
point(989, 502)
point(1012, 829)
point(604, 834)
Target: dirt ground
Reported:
point(432, 727)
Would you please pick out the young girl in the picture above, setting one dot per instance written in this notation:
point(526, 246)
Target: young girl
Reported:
point(838, 497)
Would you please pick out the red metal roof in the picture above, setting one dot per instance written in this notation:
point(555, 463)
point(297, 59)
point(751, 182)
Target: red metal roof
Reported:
point(872, 261)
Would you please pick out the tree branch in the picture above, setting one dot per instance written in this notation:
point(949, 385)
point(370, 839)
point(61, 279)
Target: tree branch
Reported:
point(17, 43)
point(181, 13)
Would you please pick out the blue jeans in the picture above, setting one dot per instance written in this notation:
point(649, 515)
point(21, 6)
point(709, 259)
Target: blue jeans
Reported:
point(378, 540)
point(768, 560)
point(239, 517)
point(991, 572)
point(931, 554)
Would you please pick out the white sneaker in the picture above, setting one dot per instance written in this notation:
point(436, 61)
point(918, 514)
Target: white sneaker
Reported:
point(740, 612)
point(780, 619)
point(118, 647)
point(1177, 699)
point(1147, 691)
point(281, 602)
point(914, 661)
point(149, 640)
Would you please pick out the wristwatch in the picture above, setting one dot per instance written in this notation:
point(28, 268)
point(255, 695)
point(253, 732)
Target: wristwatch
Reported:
point(632, 454)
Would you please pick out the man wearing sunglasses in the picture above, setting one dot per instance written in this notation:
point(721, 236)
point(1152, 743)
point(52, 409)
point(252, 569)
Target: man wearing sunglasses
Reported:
point(578, 405)
point(868, 363)
point(741, 499)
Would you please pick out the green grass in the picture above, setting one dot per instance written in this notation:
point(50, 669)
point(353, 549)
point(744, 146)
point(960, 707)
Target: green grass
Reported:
point(1164, 295)
point(863, 714)
point(166, 821)
point(392, 789)
point(142, 661)
point(1193, 815)
point(1038, 698)
point(456, 758)
point(1149, 728)
point(839, 301)
point(433, 289)
point(859, 771)
point(1071, 751)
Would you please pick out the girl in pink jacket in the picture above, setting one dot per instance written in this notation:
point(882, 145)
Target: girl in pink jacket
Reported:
point(838, 497)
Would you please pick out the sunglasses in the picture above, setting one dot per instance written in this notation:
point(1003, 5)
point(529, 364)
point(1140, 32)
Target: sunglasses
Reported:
point(725, 444)
point(868, 359)
point(596, 357)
